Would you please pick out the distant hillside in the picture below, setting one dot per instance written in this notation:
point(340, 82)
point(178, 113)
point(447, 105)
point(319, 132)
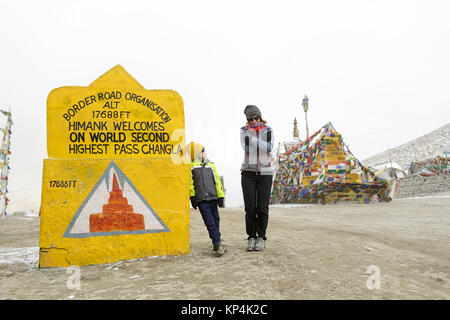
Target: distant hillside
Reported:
point(424, 147)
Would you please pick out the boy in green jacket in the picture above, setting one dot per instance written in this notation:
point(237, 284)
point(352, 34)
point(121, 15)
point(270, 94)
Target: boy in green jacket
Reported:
point(206, 193)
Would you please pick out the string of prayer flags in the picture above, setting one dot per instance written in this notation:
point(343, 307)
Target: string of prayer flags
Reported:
point(434, 166)
point(4, 161)
point(322, 169)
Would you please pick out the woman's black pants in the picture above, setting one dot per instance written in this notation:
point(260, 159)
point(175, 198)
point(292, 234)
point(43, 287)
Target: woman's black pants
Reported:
point(256, 189)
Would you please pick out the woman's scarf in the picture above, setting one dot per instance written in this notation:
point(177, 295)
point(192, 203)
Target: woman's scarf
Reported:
point(257, 126)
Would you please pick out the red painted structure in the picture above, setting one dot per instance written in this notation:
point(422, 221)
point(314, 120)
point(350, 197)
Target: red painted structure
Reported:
point(117, 214)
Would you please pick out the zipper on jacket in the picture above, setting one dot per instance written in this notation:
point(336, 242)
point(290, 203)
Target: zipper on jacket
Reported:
point(203, 179)
point(257, 150)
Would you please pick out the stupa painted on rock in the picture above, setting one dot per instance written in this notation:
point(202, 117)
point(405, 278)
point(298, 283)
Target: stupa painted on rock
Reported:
point(117, 214)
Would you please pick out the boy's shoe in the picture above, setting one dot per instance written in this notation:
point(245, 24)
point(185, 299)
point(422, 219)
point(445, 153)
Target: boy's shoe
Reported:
point(251, 244)
point(220, 249)
point(260, 244)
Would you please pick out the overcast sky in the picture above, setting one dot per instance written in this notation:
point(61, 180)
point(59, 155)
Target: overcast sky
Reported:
point(378, 70)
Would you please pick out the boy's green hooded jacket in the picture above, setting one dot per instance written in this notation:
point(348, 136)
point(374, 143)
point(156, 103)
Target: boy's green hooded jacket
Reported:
point(205, 182)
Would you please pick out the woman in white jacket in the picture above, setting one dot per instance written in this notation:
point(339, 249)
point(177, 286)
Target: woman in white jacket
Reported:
point(256, 176)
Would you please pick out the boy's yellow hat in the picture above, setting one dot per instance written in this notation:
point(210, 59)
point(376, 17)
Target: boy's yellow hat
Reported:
point(193, 149)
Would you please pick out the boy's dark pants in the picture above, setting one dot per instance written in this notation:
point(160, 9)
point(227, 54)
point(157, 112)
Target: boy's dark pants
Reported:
point(210, 215)
point(256, 190)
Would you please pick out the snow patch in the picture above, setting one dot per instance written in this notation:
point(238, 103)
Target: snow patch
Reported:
point(27, 255)
point(291, 205)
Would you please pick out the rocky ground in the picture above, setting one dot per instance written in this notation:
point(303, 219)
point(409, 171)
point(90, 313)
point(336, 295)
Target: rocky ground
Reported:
point(422, 148)
point(313, 252)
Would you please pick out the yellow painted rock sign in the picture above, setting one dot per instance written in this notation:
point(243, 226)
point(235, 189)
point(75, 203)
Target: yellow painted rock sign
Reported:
point(116, 189)
point(333, 157)
point(114, 117)
point(333, 150)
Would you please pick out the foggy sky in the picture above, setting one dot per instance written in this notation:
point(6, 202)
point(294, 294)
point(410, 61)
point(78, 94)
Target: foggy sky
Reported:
point(378, 70)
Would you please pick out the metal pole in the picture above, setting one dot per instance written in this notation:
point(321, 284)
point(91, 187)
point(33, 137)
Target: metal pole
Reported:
point(305, 108)
point(306, 120)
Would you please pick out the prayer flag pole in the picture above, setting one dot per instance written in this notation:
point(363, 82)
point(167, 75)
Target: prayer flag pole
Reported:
point(305, 108)
point(4, 153)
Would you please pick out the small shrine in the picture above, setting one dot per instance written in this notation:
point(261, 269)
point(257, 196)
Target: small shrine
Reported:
point(322, 169)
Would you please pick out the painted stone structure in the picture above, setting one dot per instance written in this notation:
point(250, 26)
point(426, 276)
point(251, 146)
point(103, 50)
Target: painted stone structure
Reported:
point(322, 169)
point(115, 184)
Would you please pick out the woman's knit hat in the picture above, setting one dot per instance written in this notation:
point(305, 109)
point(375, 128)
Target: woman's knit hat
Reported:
point(194, 149)
point(252, 111)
